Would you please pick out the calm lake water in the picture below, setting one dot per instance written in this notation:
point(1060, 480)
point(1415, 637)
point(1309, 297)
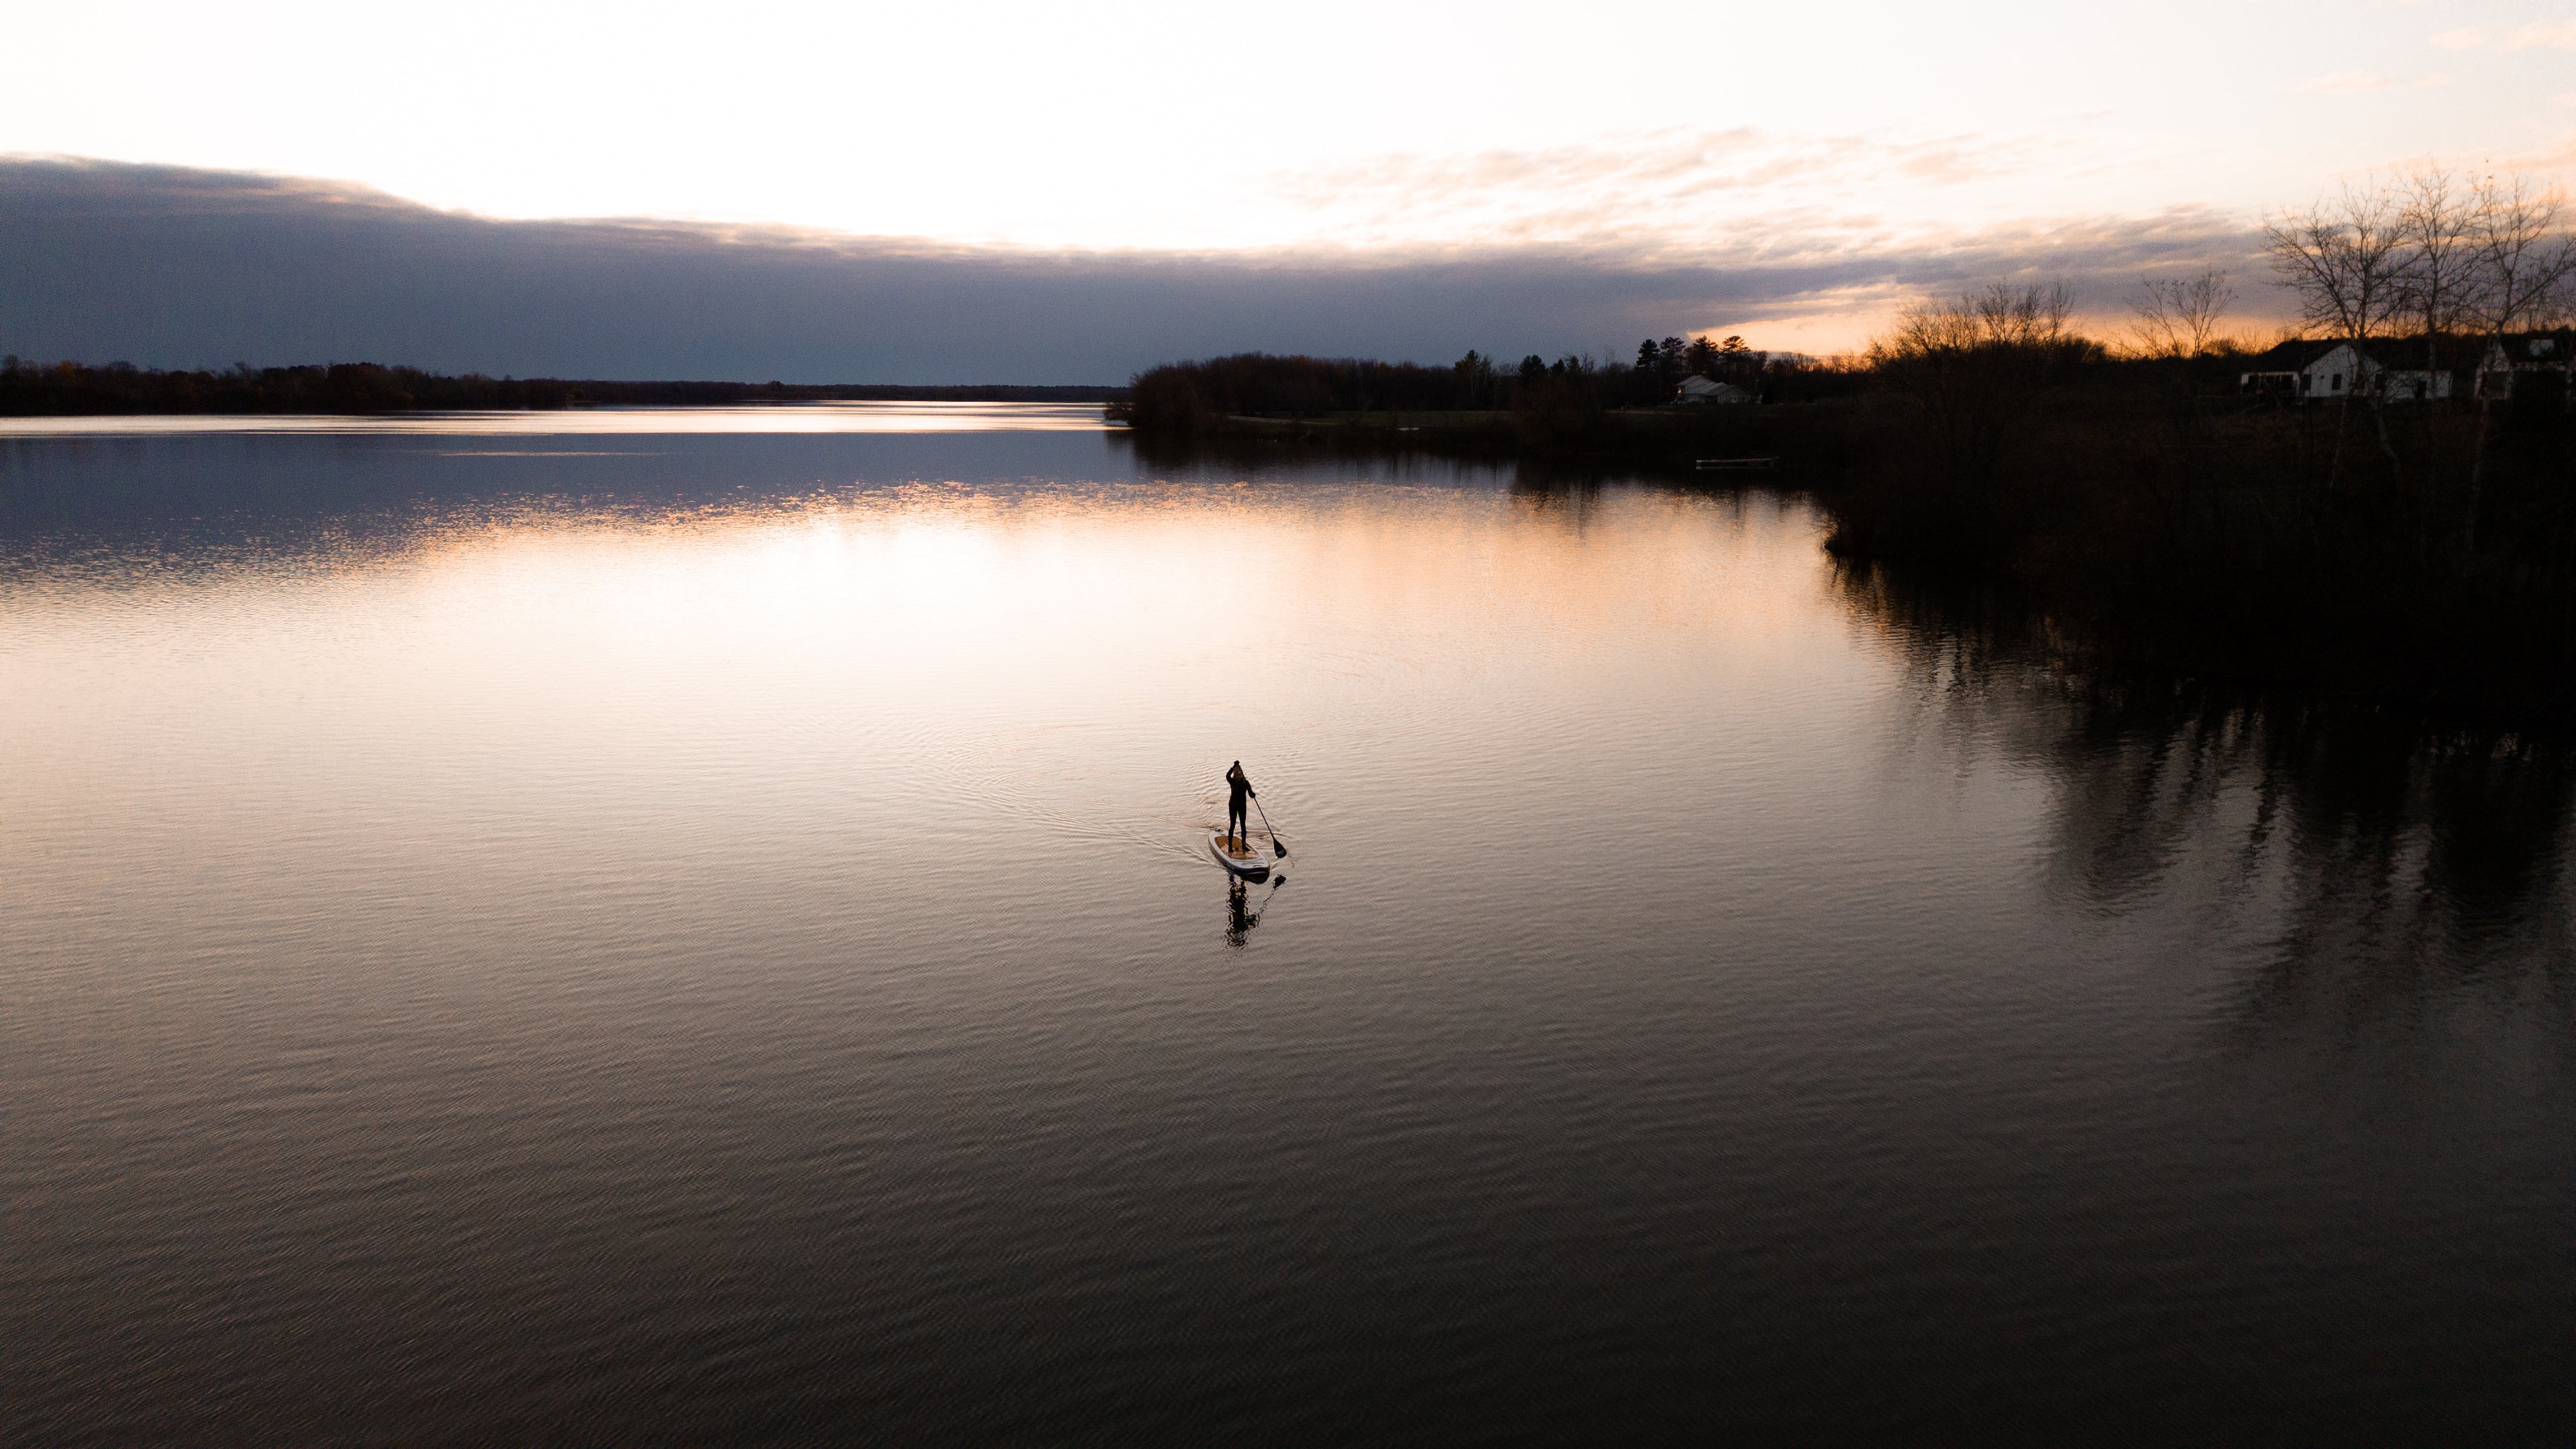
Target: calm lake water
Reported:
point(697, 928)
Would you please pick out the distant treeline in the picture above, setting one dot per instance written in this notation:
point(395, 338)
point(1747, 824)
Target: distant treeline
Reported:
point(29, 389)
point(1192, 397)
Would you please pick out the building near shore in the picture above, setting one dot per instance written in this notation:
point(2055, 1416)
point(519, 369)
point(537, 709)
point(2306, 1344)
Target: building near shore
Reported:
point(2518, 364)
point(2330, 371)
point(1700, 391)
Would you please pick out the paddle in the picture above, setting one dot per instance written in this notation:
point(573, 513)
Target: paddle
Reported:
point(1275, 843)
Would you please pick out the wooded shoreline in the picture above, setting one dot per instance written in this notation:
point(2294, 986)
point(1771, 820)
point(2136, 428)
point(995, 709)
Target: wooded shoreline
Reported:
point(71, 389)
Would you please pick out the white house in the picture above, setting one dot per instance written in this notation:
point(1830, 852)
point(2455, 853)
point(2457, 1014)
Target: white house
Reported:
point(1702, 390)
point(2339, 371)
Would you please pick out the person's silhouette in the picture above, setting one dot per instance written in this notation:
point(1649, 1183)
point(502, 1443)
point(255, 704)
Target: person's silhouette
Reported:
point(1240, 789)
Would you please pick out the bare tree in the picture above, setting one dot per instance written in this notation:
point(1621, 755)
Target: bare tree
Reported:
point(2346, 260)
point(2525, 261)
point(2441, 275)
point(2011, 316)
point(2178, 316)
point(2003, 315)
point(2525, 256)
point(1979, 363)
point(2002, 318)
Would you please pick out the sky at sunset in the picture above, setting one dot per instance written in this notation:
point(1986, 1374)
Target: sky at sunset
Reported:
point(1793, 173)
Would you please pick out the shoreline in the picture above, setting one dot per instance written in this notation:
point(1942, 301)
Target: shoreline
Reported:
point(366, 389)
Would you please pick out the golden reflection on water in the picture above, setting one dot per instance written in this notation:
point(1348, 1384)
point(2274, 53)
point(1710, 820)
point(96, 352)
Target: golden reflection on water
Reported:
point(922, 661)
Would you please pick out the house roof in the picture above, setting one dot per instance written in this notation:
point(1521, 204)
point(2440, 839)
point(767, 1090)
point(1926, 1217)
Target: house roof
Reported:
point(2288, 356)
point(2400, 354)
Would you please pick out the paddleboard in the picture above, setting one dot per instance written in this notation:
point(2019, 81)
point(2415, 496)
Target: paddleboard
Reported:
point(1240, 856)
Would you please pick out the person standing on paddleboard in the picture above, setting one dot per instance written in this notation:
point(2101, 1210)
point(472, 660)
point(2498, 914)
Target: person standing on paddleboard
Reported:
point(1241, 786)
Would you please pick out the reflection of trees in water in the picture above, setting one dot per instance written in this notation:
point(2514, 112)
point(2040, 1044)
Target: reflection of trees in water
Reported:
point(1571, 495)
point(1232, 458)
point(1565, 490)
point(2389, 859)
point(1569, 498)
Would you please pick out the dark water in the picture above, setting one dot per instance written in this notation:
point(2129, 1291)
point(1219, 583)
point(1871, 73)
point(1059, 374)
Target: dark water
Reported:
point(701, 937)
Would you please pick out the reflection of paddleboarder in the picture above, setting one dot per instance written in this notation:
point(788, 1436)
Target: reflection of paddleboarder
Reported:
point(1240, 918)
point(1241, 787)
point(1242, 912)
